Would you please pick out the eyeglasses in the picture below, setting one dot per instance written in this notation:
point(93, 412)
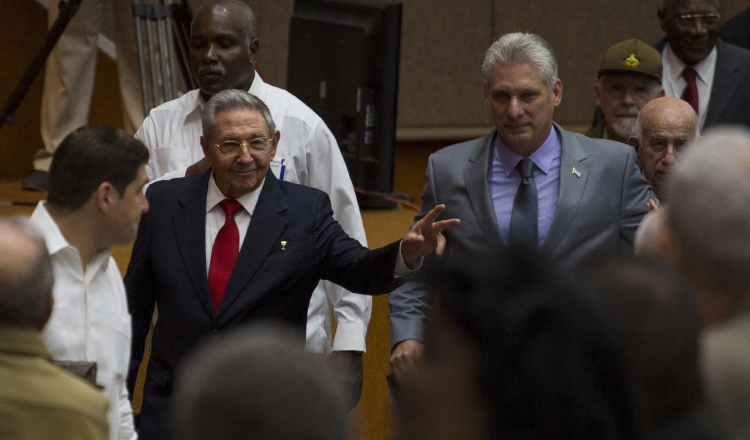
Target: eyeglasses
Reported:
point(689, 20)
point(234, 147)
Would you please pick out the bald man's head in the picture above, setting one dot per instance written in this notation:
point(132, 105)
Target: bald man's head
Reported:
point(25, 275)
point(663, 128)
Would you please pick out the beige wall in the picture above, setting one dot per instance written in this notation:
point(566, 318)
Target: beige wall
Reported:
point(443, 42)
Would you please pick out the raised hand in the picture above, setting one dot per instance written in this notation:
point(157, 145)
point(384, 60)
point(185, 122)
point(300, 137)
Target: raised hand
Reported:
point(425, 236)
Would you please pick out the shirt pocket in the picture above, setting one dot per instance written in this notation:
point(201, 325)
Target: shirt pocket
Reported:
point(167, 159)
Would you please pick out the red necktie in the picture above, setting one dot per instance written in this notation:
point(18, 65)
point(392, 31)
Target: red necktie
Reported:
point(690, 94)
point(224, 253)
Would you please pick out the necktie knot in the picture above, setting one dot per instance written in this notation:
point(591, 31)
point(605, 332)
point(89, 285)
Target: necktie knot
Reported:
point(526, 167)
point(690, 74)
point(230, 207)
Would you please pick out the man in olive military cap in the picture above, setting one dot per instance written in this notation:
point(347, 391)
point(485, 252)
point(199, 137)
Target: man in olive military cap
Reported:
point(629, 77)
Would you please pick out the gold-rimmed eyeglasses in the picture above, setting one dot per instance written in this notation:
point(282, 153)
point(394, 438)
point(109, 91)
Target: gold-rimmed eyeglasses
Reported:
point(707, 20)
point(234, 147)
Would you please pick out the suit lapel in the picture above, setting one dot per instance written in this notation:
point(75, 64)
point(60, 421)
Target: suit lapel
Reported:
point(190, 231)
point(266, 226)
point(571, 190)
point(475, 177)
point(724, 85)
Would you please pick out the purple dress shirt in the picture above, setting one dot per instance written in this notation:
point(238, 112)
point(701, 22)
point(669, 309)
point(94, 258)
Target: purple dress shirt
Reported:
point(503, 179)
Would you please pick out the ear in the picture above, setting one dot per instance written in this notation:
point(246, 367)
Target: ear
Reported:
point(661, 14)
point(662, 93)
point(597, 94)
point(206, 148)
point(106, 196)
point(557, 92)
point(633, 142)
point(486, 95)
point(275, 143)
point(254, 47)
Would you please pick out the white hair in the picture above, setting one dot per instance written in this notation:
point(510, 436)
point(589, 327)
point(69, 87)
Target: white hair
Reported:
point(522, 48)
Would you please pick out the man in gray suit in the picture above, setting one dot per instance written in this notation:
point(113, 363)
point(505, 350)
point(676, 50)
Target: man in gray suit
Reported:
point(529, 183)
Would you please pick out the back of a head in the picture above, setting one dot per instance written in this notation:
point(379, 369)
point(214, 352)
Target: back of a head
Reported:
point(89, 156)
point(257, 383)
point(657, 310)
point(551, 365)
point(25, 274)
point(709, 211)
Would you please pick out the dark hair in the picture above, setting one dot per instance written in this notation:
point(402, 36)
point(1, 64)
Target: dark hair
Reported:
point(657, 309)
point(550, 363)
point(88, 157)
point(257, 382)
point(24, 295)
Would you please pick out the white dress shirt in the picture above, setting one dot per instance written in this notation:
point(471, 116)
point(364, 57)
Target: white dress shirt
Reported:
point(215, 216)
point(674, 83)
point(90, 320)
point(307, 154)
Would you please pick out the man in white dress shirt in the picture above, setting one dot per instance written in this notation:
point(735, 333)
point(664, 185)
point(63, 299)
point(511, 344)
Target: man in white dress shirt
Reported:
point(223, 52)
point(95, 201)
point(700, 68)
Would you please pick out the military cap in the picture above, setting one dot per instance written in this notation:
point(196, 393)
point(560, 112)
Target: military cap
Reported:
point(632, 56)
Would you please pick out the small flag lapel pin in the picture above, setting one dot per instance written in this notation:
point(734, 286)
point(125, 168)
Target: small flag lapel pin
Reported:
point(576, 172)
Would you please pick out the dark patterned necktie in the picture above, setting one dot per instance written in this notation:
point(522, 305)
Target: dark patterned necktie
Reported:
point(524, 221)
point(690, 94)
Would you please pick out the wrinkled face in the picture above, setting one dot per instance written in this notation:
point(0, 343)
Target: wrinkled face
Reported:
point(239, 172)
point(521, 106)
point(128, 209)
point(665, 134)
point(621, 97)
point(443, 401)
point(691, 39)
point(222, 53)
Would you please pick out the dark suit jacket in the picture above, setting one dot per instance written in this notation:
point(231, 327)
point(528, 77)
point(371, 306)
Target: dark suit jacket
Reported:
point(730, 95)
point(597, 212)
point(168, 267)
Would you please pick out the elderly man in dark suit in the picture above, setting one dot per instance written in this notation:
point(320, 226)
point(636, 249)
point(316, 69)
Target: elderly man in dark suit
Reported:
point(235, 244)
point(706, 72)
point(528, 184)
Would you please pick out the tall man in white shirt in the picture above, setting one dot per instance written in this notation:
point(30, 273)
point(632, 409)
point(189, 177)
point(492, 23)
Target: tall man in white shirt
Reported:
point(223, 52)
point(95, 201)
point(706, 72)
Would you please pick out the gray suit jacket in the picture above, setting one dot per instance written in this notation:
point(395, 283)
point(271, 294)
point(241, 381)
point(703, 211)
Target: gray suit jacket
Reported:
point(730, 95)
point(596, 212)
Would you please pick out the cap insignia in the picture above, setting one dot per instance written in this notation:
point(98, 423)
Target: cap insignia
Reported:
point(631, 60)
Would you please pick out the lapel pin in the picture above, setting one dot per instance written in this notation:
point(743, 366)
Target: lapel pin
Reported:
point(283, 245)
point(576, 172)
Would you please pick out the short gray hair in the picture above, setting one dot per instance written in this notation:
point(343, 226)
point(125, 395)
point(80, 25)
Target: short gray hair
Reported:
point(25, 294)
point(709, 208)
point(522, 48)
point(230, 100)
point(258, 382)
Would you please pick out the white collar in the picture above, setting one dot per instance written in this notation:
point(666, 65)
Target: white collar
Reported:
point(676, 65)
point(248, 201)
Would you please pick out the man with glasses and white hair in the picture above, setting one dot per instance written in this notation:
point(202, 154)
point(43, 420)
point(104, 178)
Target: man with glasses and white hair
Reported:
point(280, 237)
point(708, 73)
point(528, 185)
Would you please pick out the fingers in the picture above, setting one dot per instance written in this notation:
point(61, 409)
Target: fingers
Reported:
point(433, 214)
point(405, 359)
point(651, 205)
point(445, 224)
point(440, 245)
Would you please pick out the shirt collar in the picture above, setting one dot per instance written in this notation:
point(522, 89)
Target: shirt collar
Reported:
point(248, 201)
point(56, 241)
point(542, 157)
point(195, 106)
point(676, 65)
